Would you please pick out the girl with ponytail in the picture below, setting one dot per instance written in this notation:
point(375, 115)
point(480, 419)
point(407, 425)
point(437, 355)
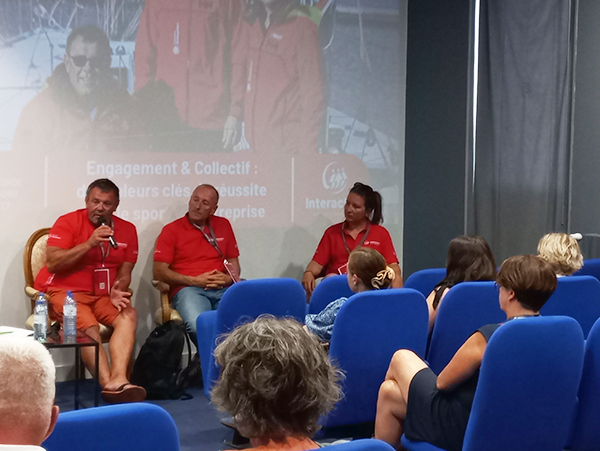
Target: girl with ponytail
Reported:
point(367, 270)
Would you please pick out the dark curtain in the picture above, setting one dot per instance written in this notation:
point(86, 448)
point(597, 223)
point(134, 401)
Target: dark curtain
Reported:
point(523, 119)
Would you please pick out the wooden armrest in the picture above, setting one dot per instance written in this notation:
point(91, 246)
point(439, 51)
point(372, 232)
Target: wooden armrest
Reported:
point(161, 286)
point(31, 292)
point(165, 304)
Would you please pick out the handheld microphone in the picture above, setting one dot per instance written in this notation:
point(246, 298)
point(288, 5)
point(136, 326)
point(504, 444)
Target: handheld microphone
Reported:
point(111, 239)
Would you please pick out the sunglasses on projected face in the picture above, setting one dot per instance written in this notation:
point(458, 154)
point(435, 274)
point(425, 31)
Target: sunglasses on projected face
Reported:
point(82, 60)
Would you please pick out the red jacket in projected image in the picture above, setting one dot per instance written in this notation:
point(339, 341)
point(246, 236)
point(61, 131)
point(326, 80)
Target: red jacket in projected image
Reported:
point(186, 43)
point(278, 83)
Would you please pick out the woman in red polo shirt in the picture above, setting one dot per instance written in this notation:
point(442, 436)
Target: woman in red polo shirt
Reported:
point(363, 215)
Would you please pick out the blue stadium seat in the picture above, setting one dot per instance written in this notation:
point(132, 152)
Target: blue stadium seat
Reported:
point(328, 290)
point(577, 297)
point(527, 390)
point(367, 331)
point(586, 435)
point(590, 267)
point(466, 307)
point(425, 280)
point(243, 302)
point(121, 427)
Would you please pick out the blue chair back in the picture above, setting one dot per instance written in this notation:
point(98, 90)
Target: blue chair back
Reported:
point(328, 290)
point(466, 307)
point(586, 434)
point(590, 267)
point(425, 280)
point(528, 383)
point(117, 427)
point(367, 444)
point(367, 331)
point(527, 388)
point(246, 300)
point(577, 297)
point(241, 303)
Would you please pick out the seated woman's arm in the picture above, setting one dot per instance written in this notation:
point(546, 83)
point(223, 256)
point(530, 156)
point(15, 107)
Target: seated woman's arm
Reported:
point(308, 279)
point(464, 363)
point(433, 310)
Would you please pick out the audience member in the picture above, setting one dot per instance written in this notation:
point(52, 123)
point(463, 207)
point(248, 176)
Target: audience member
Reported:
point(79, 258)
point(562, 252)
point(276, 380)
point(363, 214)
point(27, 410)
point(436, 409)
point(367, 270)
point(469, 259)
point(197, 256)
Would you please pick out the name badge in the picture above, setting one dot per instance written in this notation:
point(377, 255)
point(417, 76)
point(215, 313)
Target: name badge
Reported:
point(232, 271)
point(101, 282)
point(343, 269)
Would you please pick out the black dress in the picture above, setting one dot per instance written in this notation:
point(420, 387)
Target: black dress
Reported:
point(441, 417)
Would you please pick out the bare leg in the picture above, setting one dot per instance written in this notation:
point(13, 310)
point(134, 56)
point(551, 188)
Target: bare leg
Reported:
point(121, 347)
point(393, 396)
point(87, 354)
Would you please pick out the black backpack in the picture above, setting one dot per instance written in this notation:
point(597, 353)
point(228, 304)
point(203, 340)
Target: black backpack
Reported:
point(158, 365)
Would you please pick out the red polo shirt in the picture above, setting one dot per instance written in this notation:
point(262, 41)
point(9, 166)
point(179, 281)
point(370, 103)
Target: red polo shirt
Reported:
point(184, 248)
point(75, 228)
point(331, 253)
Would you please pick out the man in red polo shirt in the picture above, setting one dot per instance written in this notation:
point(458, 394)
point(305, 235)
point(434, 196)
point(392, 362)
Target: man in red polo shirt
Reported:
point(197, 255)
point(92, 253)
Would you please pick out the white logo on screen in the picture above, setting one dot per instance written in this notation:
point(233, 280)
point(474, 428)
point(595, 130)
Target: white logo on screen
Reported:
point(334, 178)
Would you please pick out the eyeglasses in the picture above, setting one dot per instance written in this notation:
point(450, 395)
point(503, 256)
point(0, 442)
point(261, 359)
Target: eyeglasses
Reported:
point(82, 60)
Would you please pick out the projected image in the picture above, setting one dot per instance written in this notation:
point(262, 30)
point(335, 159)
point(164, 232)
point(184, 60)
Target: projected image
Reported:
point(280, 104)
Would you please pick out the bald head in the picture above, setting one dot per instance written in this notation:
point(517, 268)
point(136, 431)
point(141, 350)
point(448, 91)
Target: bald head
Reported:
point(27, 391)
point(206, 186)
point(203, 204)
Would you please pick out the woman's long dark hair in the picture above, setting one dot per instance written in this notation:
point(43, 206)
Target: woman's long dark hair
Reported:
point(373, 201)
point(469, 258)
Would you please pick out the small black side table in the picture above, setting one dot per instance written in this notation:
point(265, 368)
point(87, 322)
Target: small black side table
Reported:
point(82, 340)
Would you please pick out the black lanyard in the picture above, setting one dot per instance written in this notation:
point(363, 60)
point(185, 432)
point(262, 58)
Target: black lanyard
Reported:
point(361, 241)
point(212, 240)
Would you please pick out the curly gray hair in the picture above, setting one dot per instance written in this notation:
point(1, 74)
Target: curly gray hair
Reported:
point(276, 379)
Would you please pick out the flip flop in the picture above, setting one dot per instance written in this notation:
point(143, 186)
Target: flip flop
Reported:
point(125, 393)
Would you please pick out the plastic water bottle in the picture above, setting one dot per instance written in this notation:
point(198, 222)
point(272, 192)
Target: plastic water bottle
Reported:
point(70, 319)
point(40, 318)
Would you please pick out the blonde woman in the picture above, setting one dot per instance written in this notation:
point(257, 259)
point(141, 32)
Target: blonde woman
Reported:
point(562, 252)
point(367, 270)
